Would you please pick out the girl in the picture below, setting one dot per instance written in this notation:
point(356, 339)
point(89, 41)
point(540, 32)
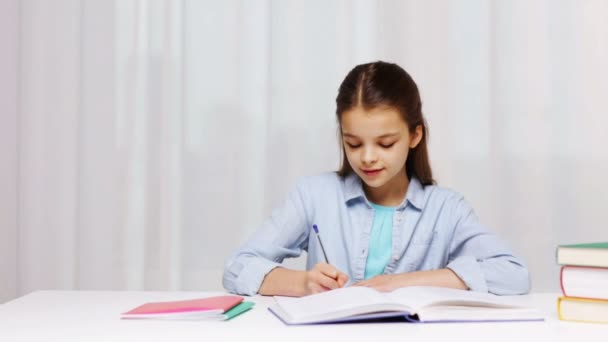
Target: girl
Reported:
point(382, 221)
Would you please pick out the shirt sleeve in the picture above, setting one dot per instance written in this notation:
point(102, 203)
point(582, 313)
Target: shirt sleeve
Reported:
point(481, 259)
point(283, 235)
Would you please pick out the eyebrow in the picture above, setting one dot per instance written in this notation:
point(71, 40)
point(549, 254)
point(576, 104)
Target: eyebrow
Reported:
point(387, 135)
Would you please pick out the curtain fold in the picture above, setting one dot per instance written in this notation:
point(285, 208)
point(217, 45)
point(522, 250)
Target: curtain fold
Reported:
point(9, 63)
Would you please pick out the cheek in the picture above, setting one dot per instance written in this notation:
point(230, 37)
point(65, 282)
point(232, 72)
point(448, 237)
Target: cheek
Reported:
point(351, 156)
point(399, 156)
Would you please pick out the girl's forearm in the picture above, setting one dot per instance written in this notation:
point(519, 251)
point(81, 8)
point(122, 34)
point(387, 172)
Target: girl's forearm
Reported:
point(444, 277)
point(284, 282)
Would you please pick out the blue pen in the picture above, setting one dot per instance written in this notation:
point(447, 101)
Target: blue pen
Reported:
point(316, 229)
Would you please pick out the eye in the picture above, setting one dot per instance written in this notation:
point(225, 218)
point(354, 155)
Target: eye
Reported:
point(388, 145)
point(353, 145)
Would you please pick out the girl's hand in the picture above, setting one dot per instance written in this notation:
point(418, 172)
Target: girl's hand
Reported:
point(324, 277)
point(383, 282)
point(444, 277)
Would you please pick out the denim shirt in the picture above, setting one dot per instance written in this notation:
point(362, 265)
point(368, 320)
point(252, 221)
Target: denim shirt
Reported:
point(433, 228)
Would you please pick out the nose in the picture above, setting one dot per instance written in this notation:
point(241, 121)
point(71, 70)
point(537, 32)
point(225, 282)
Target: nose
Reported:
point(369, 156)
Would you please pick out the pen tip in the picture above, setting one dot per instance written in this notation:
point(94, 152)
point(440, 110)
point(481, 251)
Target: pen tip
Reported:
point(314, 226)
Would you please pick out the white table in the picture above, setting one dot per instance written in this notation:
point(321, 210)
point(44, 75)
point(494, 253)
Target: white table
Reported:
point(94, 316)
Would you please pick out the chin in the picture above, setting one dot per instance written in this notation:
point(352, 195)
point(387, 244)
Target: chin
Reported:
point(373, 183)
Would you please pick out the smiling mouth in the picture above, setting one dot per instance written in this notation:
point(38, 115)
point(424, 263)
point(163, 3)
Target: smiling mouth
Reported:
point(372, 172)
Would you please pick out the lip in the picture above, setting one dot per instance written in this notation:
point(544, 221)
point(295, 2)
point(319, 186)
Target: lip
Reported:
point(372, 173)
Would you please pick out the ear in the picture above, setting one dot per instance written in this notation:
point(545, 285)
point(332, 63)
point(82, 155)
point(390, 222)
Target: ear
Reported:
point(416, 136)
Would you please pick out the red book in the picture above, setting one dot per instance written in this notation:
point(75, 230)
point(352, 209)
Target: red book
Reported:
point(193, 308)
point(584, 282)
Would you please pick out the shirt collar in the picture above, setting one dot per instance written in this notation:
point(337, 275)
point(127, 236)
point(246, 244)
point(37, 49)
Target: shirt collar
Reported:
point(415, 194)
point(353, 189)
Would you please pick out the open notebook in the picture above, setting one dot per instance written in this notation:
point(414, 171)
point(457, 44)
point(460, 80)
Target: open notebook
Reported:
point(413, 304)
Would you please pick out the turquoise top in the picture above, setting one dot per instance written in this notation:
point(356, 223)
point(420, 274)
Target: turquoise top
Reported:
point(380, 241)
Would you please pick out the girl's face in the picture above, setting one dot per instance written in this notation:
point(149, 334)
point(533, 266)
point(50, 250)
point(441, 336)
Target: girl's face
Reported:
point(376, 143)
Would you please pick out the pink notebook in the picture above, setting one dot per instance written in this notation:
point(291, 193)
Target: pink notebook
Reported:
point(202, 306)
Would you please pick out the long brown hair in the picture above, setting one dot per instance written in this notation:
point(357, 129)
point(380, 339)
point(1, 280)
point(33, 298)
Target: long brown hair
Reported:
point(386, 84)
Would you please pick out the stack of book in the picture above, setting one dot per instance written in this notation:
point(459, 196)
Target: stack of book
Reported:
point(584, 282)
point(210, 308)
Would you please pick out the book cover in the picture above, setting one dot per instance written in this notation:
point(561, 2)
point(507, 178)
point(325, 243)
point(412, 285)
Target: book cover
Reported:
point(583, 254)
point(409, 304)
point(584, 282)
point(185, 309)
point(582, 310)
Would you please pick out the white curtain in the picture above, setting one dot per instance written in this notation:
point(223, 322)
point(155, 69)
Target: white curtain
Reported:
point(143, 141)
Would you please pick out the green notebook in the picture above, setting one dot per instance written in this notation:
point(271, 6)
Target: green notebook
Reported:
point(601, 245)
point(583, 254)
point(237, 310)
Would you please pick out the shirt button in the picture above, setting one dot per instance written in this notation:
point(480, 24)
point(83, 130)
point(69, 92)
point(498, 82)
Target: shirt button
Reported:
point(362, 251)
